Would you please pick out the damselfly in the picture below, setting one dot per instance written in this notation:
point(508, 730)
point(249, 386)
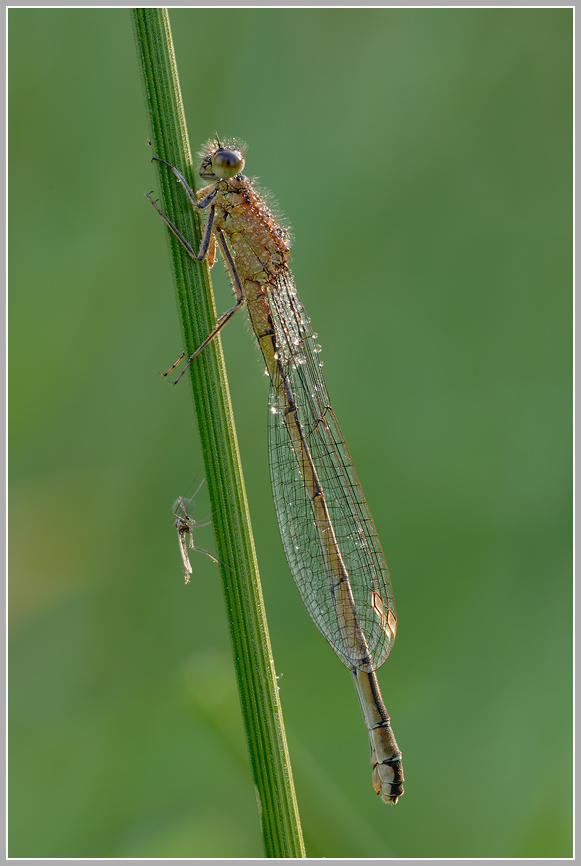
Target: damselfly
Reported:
point(327, 531)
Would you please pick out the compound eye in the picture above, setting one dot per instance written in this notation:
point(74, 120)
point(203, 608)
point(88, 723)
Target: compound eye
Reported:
point(227, 163)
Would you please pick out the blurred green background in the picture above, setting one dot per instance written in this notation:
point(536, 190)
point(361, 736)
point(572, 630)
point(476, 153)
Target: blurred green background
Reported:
point(423, 160)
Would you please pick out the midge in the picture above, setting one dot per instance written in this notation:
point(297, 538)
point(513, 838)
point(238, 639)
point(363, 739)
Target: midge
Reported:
point(327, 531)
point(185, 525)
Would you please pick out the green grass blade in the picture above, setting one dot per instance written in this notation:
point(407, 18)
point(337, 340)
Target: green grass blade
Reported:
point(243, 596)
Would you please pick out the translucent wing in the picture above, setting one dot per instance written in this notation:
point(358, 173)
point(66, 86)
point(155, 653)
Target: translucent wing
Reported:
point(354, 529)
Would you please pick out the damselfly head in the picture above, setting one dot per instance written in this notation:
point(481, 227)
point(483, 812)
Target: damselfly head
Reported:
point(221, 161)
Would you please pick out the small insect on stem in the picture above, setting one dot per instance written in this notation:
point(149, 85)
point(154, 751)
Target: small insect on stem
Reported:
point(185, 524)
